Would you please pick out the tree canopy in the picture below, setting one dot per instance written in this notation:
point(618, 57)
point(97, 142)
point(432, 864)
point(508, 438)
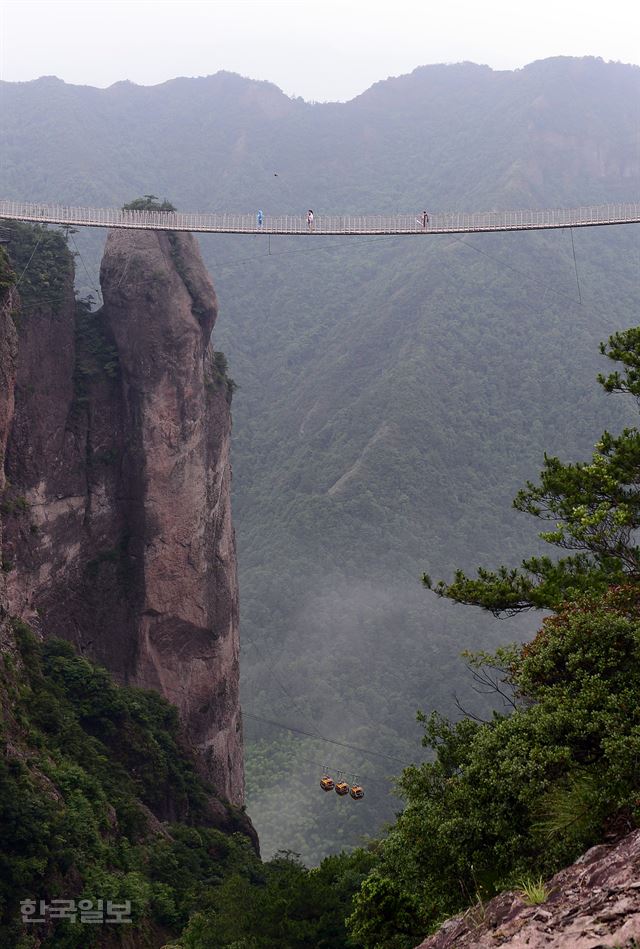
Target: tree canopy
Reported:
point(595, 510)
point(149, 202)
point(556, 768)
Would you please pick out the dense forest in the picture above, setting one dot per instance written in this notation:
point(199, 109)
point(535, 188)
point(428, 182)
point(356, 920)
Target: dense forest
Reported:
point(98, 792)
point(392, 395)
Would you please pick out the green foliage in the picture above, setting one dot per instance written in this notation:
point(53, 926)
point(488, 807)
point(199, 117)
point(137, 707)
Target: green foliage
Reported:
point(85, 765)
point(431, 373)
point(533, 892)
point(523, 793)
point(7, 273)
point(93, 763)
point(220, 364)
point(148, 203)
point(10, 505)
point(386, 416)
point(595, 507)
point(393, 395)
point(568, 808)
point(545, 584)
point(218, 373)
point(282, 776)
point(385, 915)
point(527, 791)
point(623, 347)
point(42, 264)
point(96, 352)
point(285, 905)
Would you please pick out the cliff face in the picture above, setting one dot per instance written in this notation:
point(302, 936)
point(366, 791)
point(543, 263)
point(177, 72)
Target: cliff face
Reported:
point(118, 522)
point(8, 353)
point(591, 904)
point(161, 308)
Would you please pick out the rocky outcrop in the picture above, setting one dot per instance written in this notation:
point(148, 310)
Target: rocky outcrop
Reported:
point(176, 414)
point(8, 354)
point(594, 903)
point(118, 517)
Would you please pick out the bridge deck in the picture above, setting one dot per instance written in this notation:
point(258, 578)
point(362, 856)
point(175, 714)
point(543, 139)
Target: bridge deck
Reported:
point(345, 224)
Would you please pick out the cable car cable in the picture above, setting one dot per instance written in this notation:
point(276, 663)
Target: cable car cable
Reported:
point(517, 270)
point(298, 708)
point(575, 265)
point(317, 735)
point(331, 741)
point(19, 280)
point(327, 768)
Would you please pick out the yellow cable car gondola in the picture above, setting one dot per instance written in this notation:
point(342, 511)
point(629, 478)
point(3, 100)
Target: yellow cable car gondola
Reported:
point(326, 783)
point(342, 788)
point(357, 792)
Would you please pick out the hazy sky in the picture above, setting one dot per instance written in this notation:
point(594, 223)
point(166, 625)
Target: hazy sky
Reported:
point(330, 50)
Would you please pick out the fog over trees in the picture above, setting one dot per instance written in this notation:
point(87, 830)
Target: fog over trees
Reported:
point(393, 393)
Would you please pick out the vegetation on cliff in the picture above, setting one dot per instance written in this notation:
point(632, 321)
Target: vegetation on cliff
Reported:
point(98, 795)
point(394, 394)
point(100, 799)
point(595, 510)
point(392, 397)
point(88, 771)
point(41, 263)
point(149, 202)
point(520, 795)
point(7, 273)
point(526, 791)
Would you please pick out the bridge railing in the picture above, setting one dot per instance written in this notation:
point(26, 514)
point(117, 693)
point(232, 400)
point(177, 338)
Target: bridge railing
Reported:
point(225, 222)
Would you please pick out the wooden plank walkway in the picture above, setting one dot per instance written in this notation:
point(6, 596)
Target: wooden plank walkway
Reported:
point(449, 222)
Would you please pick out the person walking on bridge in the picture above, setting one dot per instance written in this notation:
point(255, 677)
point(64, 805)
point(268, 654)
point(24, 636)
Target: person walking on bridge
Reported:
point(260, 218)
point(310, 219)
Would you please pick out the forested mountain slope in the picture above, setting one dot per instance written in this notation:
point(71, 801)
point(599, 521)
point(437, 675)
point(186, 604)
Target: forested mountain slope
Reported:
point(450, 135)
point(394, 393)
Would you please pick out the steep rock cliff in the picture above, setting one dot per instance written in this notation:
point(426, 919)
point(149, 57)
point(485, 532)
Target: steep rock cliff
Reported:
point(8, 353)
point(176, 416)
point(117, 519)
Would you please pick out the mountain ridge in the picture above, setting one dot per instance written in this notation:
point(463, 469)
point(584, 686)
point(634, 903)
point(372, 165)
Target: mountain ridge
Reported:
point(475, 355)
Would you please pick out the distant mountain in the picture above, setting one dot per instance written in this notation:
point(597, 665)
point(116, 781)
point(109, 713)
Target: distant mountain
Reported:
point(460, 136)
point(383, 382)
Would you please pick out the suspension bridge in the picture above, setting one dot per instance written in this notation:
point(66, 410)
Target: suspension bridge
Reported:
point(219, 222)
